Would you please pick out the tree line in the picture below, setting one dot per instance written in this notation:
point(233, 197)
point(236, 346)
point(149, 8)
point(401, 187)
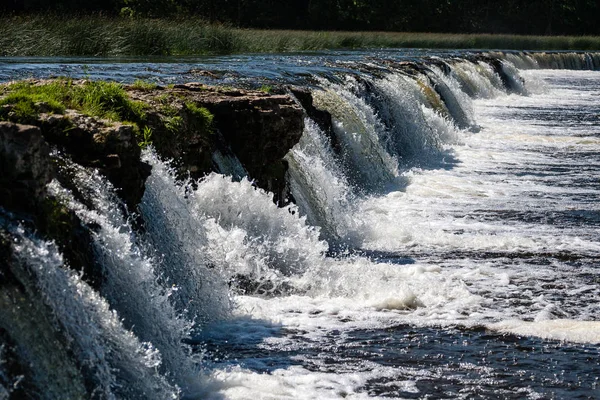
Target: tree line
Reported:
point(539, 17)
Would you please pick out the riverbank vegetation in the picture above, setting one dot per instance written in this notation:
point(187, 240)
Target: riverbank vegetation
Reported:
point(532, 17)
point(102, 35)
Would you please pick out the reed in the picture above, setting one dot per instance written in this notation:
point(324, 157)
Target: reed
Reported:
point(54, 35)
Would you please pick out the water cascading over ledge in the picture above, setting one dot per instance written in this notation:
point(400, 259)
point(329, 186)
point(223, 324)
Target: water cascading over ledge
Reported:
point(113, 290)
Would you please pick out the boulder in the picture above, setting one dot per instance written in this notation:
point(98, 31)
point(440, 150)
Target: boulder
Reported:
point(24, 166)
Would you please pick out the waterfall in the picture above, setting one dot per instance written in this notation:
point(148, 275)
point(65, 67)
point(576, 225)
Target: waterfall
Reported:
point(476, 79)
point(178, 236)
point(111, 357)
point(382, 126)
point(224, 232)
point(368, 165)
point(385, 230)
point(400, 104)
point(132, 283)
point(320, 187)
point(552, 60)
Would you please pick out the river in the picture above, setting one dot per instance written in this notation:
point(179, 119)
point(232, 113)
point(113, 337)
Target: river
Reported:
point(447, 246)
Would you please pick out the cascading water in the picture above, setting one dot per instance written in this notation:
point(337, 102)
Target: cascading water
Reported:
point(114, 362)
point(131, 282)
point(477, 79)
point(368, 165)
point(320, 188)
point(560, 60)
point(463, 193)
point(431, 261)
point(178, 237)
point(229, 226)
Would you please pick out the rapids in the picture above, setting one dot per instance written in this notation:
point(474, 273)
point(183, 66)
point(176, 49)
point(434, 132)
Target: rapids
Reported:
point(444, 242)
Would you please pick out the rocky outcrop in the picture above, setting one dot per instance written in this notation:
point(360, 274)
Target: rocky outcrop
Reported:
point(259, 129)
point(109, 146)
point(322, 118)
point(26, 169)
point(192, 124)
point(187, 123)
point(24, 166)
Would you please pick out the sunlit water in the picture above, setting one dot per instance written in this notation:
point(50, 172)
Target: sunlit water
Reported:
point(467, 271)
point(450, 249)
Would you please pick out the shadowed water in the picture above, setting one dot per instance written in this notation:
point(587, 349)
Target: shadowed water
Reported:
point(448, 247)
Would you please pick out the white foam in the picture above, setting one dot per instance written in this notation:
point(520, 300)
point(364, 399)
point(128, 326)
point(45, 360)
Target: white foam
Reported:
point(299, 383)
point(556, 329)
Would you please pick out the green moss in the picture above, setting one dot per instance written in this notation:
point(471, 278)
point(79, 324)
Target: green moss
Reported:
point(23, 101)
point(169, 110)
point(56, 222)
point(163, 98)
point(266, 88)
point(202, 120)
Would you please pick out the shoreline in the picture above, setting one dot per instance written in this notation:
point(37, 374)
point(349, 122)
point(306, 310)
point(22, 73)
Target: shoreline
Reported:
point(52, 35)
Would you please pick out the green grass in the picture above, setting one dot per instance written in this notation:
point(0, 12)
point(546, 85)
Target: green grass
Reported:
point(23, 101)
point(53, 35)
point(143, 85)
point(202, 118)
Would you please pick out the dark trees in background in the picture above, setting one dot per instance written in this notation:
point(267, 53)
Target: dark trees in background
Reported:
point(575, 17)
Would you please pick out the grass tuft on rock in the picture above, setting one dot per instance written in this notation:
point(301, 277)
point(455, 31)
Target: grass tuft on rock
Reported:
point(24, 101)
point(143, 85)
point(202, 118)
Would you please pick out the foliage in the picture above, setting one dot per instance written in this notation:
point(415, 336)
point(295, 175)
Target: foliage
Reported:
point(534, 17)
point(52, 35)
point(173, 124)
point(202, 120)
point(145, 137)
point(96, 98)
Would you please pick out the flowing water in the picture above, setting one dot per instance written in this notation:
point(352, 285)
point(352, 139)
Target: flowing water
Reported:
point(446, 246)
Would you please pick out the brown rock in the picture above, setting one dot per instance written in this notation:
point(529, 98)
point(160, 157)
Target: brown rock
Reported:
point(259, 128)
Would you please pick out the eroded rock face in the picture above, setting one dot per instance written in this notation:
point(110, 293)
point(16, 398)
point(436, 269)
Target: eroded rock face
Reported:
point(255, 127)
point(259, 129)
point(26, 169)
point(109, 146)
point(24, 166)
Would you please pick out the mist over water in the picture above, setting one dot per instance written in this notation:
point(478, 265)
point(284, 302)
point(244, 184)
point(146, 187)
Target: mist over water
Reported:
point(443, 243)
